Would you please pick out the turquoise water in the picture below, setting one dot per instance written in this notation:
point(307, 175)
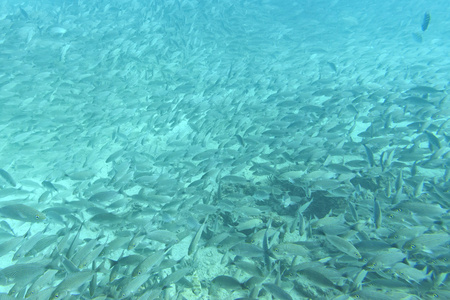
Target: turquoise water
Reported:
point(224, 149)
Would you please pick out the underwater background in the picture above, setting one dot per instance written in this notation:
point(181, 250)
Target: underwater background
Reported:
point(224, 149)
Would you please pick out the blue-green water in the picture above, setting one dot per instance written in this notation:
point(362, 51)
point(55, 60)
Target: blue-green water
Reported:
point(224, 149)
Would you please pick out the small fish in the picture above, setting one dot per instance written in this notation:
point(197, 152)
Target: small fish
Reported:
point(240, 140)
point(247, 250)
point(137, 238)
point(250, 224)
point(353, 211)
point(433, 140)
point(332, 66)
point(175, 276)
point(71, 282)
point(83, 251)
point(7, 177)
point(24, 13)
point(369, 155)
point(22, 212)
point(377, 216)
point(398, 186)
point(48, 185)
point(196, 239)
point(344, 246)
point(301, 225)
point(41, 282)
point(276, 291)
point(266, 251)
point(115, 155)
point(426, 242)
point(426, 21)
point(227, 282)
point(21, 273)
point(10, 245)
point(147, 264)
point(249, 268)
point(133, 285)
point(103, 196)
point(93, 282)
point(290, 249)
point(357, 282)
point(385, 259)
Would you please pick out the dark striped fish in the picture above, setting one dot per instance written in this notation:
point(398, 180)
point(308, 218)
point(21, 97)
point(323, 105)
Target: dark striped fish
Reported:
point(426, 21)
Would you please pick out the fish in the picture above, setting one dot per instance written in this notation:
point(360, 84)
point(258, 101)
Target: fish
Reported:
point(163, 125)
point(344, 246)
point(266, 250)
point(71, 282)
point(426, 242)
point(148, 263)
point(42, 281)
point(48, 185)
point(22, 273)
point(103, 196)
point(10, 245)
point(193, 245)
point(290, 249)
point(249, 268)
point(385, 259)
point(332, 66)
point(433, 140)
point(370, 156)
point(227, 282)
point(162, 236)
point(22, 212)
point(247, 250)
point(250, 224)
point(8, 178)
point(175, 276)
point(357, 282)
point(240, 140)
point(276, 291)
point(132, 287)
point(411, 274)
point(377, 214)
point(24, 13)
point(426, 21)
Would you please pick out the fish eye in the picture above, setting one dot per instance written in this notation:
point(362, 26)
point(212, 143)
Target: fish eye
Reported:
point(390, 216)
point(37, 217)
point(413, 246)
point(434, 295)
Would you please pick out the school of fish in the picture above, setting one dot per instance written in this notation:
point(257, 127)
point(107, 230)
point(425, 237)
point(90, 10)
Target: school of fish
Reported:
point(189, 149)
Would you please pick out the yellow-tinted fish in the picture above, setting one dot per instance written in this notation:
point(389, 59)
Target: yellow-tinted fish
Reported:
point(22, 212)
